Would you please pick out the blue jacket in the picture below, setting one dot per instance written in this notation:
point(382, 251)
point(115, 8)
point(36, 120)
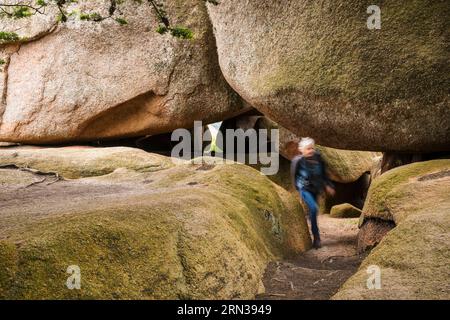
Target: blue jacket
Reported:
point(310, 173)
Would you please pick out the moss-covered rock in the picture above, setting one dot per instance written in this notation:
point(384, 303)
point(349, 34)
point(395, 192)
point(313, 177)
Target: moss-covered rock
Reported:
point(315, 68)
point(388, 192)
point(347, 166)
point(413, 257)
point(189, 231)
point(80, 162)
point(345, 210)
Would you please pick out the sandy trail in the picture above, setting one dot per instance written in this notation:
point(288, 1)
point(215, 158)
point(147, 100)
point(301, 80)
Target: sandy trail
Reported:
point(316, 274)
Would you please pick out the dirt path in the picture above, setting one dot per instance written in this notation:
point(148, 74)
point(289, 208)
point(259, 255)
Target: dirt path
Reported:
point(316, 274)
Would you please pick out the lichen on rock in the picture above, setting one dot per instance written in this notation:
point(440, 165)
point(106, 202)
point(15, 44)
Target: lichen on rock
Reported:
point(345, 210)
point(181, 232)
point(412, 257)
point(78, 162)
point(316, 69)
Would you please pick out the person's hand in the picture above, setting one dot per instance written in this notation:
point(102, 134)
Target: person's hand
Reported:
point(330, 190)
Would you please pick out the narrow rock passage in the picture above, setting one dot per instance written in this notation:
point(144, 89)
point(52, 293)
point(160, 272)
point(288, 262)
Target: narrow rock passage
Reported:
point(316, 274)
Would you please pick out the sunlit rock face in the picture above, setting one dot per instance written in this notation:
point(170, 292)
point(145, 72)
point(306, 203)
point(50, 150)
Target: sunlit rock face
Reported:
point(86, 80)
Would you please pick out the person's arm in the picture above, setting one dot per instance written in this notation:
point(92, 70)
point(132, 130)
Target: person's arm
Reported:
point(294, 166)
point(325, 175)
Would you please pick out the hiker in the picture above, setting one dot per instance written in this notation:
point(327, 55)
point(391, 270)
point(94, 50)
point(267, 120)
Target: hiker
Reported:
point(308, 173)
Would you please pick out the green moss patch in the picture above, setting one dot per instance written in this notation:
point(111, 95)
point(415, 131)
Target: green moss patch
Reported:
point(413, 257)
point(175, 233)
point(345, 210)
point(74, 163)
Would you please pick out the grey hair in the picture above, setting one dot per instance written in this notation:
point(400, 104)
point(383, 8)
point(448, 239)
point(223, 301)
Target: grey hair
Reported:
point(304, 142)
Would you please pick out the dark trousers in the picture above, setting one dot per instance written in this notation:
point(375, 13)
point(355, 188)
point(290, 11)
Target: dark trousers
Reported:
point(311, 202)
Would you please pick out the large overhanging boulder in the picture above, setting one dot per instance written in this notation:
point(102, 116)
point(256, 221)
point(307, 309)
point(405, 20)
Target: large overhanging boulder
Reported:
point(316, 69)
point(87, 80)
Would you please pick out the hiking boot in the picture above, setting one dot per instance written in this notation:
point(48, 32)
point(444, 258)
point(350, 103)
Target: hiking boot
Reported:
point(316, 243)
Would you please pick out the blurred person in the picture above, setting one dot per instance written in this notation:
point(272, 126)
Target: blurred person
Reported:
point(309, 176)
